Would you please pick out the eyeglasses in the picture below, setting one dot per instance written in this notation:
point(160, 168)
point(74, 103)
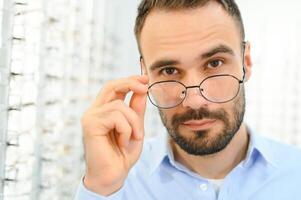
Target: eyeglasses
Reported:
point(220, 88)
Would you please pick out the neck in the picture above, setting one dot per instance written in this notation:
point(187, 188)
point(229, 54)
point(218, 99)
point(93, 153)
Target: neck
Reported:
point(218, 165)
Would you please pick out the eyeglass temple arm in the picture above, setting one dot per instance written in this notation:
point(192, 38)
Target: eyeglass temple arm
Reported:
point(243, 60)
point(141, 60)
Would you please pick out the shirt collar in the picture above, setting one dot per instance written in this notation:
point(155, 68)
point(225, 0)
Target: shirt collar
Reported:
point(159, 149)
point(258, 147)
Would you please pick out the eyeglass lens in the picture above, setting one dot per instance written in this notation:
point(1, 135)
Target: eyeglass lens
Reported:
point(218, 89)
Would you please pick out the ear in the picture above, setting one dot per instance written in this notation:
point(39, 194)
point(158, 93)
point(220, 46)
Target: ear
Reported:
point(142, 66)
point(247, 61)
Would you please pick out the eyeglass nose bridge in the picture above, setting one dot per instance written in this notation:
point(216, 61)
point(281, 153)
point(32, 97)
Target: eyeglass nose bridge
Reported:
point(184, 92)
point(193, 86)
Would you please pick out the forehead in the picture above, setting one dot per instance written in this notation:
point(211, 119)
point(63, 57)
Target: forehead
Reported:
point(182, 32)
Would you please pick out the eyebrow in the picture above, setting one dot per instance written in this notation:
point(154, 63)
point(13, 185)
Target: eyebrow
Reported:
point(162, 63)
point(215, 50)
point(219, 49)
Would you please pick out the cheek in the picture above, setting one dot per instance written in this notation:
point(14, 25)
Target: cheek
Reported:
point(166, 116)
point(237, 108)
point(230, 110)
point(163, 116)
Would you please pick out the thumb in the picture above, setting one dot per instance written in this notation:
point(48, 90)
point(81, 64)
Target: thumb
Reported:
point(138, 104)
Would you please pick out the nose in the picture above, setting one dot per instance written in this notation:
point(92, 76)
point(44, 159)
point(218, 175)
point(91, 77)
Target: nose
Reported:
point(194, 98)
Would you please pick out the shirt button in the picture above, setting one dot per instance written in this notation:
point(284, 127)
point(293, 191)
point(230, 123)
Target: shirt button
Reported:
point(203, 187)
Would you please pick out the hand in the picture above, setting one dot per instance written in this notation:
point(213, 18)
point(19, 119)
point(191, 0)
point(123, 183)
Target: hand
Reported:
point(113, 134)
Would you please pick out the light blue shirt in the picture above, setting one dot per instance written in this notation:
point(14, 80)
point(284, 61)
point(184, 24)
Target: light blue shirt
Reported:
point(271, 171)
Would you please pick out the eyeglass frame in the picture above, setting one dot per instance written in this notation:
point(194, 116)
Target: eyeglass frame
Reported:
point(199, 86)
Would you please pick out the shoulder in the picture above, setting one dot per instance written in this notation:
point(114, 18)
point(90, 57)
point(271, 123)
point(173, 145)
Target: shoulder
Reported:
point(281, 154)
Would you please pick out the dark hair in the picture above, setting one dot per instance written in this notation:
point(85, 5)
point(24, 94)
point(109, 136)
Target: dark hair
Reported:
point(146, 6)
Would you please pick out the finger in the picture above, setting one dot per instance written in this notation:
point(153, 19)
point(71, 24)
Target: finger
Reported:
point(116, 123)
point(119, 88)
point(132, 117)
point(123, 129)
point(138, 104)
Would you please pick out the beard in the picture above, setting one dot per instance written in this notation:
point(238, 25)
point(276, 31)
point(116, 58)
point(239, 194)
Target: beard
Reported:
point(201, 143)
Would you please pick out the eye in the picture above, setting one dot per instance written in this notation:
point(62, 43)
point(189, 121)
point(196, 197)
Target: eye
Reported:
point(168, 71)
point(215, 63)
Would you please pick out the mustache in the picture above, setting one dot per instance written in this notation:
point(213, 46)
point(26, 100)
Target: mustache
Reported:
point(202, 113)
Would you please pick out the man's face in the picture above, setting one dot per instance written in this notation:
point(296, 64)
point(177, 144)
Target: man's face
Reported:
point(189, 46)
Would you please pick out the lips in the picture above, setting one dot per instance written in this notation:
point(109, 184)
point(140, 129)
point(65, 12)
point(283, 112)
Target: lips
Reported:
point(199, 124)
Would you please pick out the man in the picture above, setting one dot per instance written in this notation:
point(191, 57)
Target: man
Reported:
point(195, 63)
